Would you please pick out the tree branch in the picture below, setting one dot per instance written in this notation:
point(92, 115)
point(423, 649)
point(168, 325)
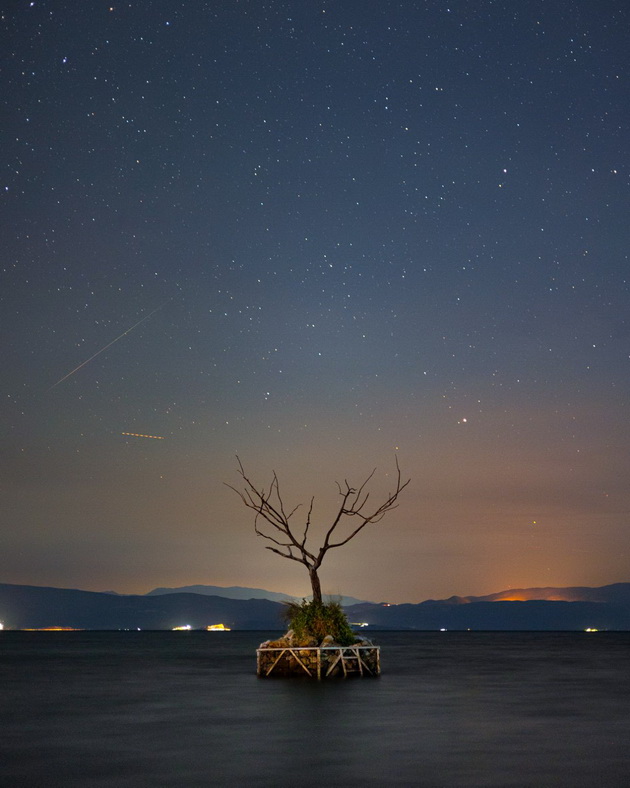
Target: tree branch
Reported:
point(274, 514)
point(270, 512)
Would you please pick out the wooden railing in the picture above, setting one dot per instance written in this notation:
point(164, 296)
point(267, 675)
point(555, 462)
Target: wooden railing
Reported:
point(319, 662)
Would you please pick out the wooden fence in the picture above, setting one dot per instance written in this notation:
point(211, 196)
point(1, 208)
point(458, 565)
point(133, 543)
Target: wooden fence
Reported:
point(319, 662)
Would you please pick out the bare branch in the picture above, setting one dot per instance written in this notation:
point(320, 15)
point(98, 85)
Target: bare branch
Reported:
point(286, 555)
point(270, 538)
point(271, 516)
point(269, 506)
point(355, 509)
point(308, 521)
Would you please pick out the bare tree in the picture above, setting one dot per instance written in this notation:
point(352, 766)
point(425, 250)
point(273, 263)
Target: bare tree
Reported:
point(273, 523)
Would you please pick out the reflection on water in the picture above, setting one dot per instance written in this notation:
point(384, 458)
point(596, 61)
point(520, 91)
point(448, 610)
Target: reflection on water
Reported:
point(186, 709)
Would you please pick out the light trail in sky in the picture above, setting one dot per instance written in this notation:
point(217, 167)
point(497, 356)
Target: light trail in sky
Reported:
point(140, 435)
point(103, 349)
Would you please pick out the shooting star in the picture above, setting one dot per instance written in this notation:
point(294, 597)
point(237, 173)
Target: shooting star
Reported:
point(103, 349)
point(140, 435)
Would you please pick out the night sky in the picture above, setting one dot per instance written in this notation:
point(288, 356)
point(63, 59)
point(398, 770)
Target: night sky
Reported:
point(316, 235)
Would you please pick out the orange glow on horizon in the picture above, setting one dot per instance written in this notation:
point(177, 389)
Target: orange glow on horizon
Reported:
point(51, 629)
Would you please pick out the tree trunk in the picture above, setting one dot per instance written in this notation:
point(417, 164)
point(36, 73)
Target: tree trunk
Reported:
point(315, 585)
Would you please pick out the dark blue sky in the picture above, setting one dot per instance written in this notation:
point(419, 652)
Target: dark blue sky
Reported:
point(316, 235)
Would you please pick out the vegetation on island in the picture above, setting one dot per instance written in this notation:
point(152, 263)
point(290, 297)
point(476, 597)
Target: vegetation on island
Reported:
point(311, 620)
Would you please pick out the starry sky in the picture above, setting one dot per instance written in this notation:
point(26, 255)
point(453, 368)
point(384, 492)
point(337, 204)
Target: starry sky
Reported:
point(317, 236)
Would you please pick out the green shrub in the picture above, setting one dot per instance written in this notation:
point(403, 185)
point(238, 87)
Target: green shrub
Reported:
point(312, 619)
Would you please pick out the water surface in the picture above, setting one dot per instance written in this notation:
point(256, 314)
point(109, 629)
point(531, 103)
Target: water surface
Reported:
point(186, 709)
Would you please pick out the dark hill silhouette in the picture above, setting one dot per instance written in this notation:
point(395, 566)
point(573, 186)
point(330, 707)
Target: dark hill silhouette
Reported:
point(35, 606)
point(229, 592)
point(239, 592)
point(615, 594)
point(23, 607)
point(531, 616)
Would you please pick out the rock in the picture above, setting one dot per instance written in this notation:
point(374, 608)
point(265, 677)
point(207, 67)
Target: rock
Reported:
point(288, 640)
point(329, 640)
point(306, 642)
point(280, 643)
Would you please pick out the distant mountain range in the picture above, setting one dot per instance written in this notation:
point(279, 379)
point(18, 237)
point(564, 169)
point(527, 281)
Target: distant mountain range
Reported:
point(576, 608)
point(238, 592)
point(617, 593)
point(229, 592)
point(23, 607)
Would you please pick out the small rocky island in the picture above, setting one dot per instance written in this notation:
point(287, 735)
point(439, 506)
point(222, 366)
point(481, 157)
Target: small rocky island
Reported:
point(292, 655)
point(320, 641)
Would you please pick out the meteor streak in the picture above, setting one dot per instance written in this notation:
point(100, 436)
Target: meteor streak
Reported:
point(103, 349)
point(140, 435)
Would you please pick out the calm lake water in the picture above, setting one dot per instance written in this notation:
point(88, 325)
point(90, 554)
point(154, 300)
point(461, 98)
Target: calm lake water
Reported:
point(182, 709)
